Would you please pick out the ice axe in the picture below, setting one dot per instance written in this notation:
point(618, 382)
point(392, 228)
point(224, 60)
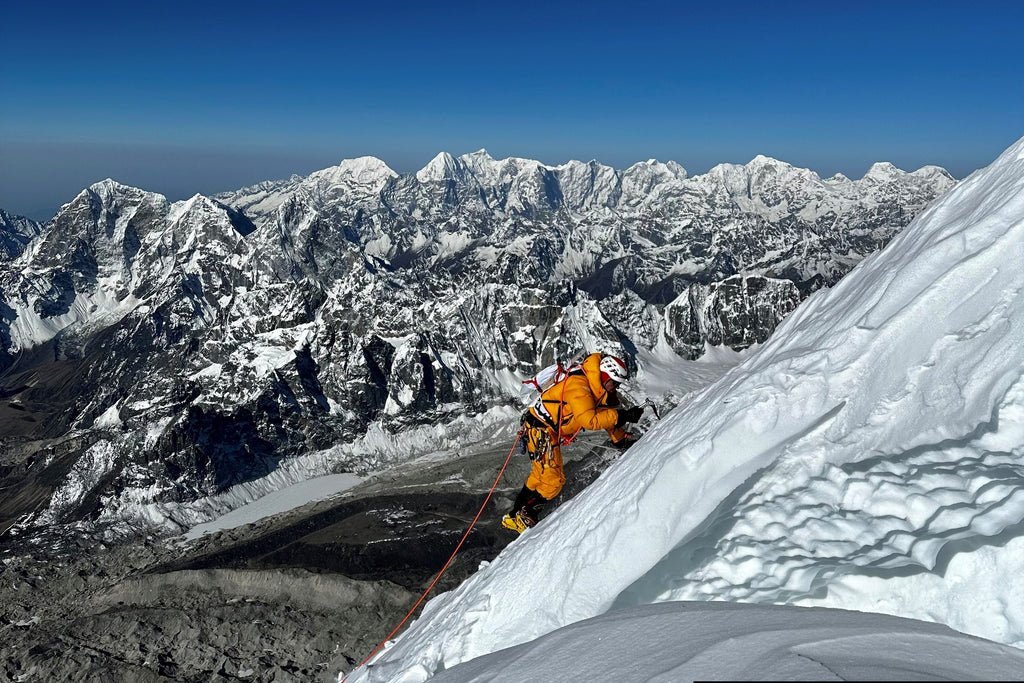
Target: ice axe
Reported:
point(650, 404)
point(647, 403)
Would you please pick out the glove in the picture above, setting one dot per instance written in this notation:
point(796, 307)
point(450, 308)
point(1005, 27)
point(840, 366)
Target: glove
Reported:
point(629, 415)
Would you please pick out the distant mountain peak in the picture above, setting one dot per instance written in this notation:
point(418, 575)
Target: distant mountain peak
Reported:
point(109, 185)
point(763, 160)
point(363, 174)
point(109, 190)
point(442, 167)
point(366, 168)
point(932, 172)
point(197, 203)
point(883, 171)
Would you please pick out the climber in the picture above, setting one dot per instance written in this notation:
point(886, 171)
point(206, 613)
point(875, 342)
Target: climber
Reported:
point(586, 399)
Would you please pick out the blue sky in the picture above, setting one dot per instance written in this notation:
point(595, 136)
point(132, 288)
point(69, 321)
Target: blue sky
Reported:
point(192, 97)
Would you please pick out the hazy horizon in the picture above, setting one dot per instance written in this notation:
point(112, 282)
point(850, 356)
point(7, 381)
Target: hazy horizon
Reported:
point(190, 98)
point(179, 173)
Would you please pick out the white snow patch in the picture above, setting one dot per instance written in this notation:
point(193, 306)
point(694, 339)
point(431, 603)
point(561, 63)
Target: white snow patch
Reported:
point(110, 419)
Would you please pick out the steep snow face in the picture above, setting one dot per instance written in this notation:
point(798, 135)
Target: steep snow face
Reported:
point(884, 416)
point(642, 180)
point(354, 181)
point(588, 186)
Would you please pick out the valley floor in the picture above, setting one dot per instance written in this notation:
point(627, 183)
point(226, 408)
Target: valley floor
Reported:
point(296, 596)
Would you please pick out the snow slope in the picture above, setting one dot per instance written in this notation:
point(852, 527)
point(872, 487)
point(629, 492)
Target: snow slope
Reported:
point(909, 370)
point(686, 641)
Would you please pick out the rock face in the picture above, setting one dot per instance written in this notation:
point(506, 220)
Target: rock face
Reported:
point(736, 312)
point(172, 350)
point(15, 233)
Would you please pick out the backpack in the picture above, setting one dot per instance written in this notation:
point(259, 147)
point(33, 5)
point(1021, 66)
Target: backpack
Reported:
point(547, 378)
point(550, 376)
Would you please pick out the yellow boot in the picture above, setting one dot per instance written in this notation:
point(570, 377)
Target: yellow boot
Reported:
point(514, 523)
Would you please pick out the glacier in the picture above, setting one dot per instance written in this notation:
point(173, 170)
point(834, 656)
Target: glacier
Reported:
point(872, 444)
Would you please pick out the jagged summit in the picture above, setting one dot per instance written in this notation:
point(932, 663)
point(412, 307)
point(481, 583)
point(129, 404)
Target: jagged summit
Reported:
point(15, 233)
point(110, 185)
point(762, 160)
point(477, 181)
point(666, 168)
point(481, 153)
point(109, 188)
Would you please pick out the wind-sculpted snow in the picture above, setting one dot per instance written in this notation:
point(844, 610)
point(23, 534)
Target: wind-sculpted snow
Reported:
point(883, 416)
point(806, 524)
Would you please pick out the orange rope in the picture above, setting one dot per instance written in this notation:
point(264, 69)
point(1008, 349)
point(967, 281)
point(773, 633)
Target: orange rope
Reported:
point(561, 405)
point(450, 559)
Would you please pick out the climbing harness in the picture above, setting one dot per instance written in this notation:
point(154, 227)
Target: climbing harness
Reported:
point(537, 443)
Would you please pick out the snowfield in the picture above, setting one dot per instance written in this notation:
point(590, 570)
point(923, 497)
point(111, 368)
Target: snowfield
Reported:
point(871, 445)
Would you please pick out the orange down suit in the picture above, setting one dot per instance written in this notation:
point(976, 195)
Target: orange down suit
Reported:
point(584, 405)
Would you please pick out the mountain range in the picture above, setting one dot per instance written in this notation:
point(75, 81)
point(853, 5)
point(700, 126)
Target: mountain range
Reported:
point(156, 352)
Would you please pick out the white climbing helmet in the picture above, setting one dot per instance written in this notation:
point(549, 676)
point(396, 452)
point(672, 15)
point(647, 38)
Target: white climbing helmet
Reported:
point(614, 369)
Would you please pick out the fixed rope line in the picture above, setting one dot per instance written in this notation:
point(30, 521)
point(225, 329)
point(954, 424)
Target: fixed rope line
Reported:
point(450, 559)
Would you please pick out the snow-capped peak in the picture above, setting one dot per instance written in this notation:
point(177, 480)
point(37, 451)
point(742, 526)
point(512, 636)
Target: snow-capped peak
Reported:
point(655, 168)
point(640, 180)
point(479, 155)
point(366, 170)
point(108, 190)
point(363, 176)
point(198, 209)
point(442, 167)
point(108, 185)
point(180, 208)
point(762, 160)
point(930, 172)
point(883, 171)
